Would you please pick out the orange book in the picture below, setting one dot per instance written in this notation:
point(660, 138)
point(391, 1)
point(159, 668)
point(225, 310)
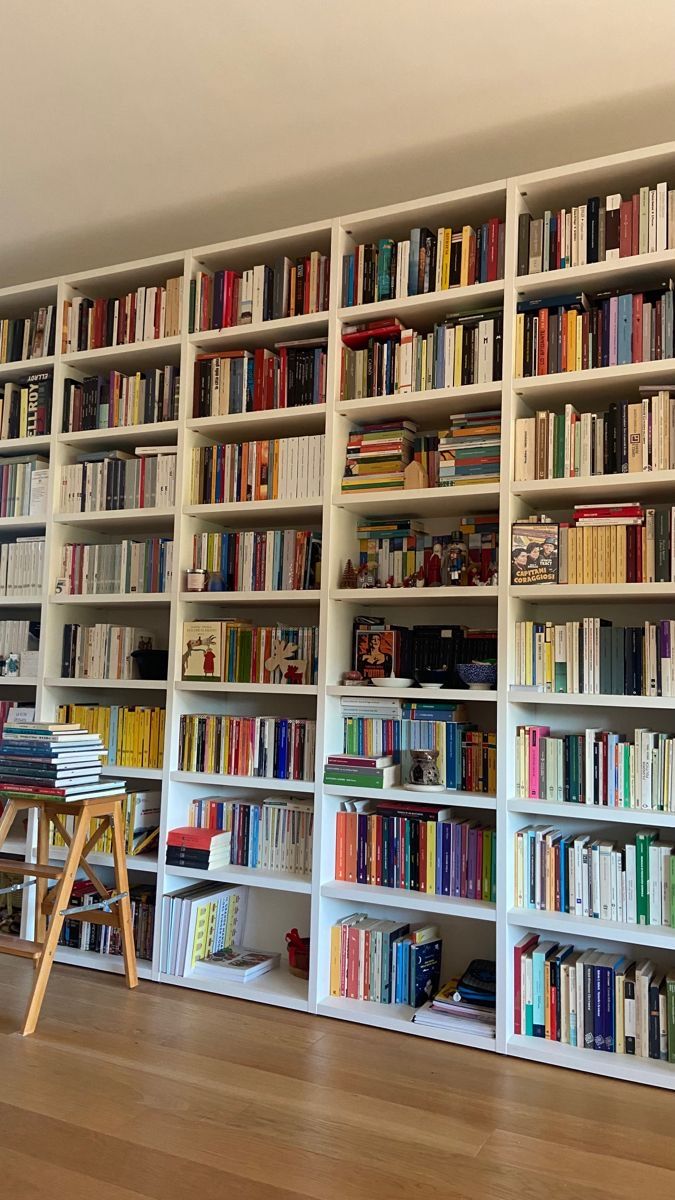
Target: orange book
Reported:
point(340, 845)
point(351, 834)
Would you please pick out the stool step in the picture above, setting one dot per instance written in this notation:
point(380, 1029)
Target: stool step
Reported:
point(19, 947)
point(14, 866)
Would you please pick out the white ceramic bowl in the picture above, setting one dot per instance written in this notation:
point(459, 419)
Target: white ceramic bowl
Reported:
point(400, 683)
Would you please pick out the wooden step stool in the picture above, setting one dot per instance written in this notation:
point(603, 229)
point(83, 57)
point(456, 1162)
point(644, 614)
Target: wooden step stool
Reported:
point(53, 902)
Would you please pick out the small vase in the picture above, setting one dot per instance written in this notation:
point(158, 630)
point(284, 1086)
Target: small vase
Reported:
point(423, 774)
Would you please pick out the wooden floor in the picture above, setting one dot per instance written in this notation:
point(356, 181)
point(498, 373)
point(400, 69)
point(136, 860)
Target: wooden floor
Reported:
point(177, 1095)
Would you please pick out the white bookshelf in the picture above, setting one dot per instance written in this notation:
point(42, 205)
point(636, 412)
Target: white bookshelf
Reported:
point(281, 900)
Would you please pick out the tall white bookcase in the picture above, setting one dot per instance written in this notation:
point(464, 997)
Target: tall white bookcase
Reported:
point(279, 902)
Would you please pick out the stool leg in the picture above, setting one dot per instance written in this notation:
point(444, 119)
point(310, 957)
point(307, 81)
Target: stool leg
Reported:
point(7, 820)
point(41, 884)
point(61, 901)
point(124, 906)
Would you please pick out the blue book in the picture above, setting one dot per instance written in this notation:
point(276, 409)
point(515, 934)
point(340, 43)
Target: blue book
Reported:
point(625, 331)
point(540, 954)
point(425, 972)
point(414, 262)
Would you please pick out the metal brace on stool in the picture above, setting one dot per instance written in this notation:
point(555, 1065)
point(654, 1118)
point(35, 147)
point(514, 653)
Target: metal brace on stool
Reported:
point(104, 905)
point(18, 887)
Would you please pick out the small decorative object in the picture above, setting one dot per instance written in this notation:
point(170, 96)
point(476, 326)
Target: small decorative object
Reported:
point(420, 581)
point(479, 676)
point(298, 954)
point(493, 576)
point(152, 664)
point(414, 476)
point(349, 577)
point(390, 582)
point(216, 583)
point(365, 577)
point(295, 672)
point(281, 659)
point(195, 579)
point(409, 581)
point(352, 678)
point(12, 665)
point(393, 681)
point(423, 774)
point(455, 561)
point(3, 666)
point(534, 552)
point(433, 573)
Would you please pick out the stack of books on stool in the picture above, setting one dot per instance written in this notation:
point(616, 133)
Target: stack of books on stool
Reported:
point(53, 761)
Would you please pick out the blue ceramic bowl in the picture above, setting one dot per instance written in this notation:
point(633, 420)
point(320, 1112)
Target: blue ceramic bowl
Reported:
point(479, 676)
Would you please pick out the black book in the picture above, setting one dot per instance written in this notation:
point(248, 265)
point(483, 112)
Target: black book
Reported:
point(592, 229)
point(524, 243)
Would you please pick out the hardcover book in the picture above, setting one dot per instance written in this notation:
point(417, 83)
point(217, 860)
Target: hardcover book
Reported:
point(534, 552)
point(201, 651)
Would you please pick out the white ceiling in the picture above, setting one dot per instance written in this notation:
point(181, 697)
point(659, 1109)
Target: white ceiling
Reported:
point(129, 123)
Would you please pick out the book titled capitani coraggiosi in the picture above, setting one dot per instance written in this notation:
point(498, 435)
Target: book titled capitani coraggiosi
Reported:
point(534, 552)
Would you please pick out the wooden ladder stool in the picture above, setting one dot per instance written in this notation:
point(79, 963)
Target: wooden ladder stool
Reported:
point(114, 908)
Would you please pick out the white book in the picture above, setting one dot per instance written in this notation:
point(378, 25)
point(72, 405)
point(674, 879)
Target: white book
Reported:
point(661, 216)
point(402, 260)
point(258, 293)
point(671, 219)
point(582, 235)
point(651, 243)
point(613, 204)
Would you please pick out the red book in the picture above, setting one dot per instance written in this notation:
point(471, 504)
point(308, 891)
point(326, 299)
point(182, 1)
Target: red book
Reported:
point(340, 845)
point(196, 839)
point(493, 246)
point(626, 230)
point(635, 222)
point(353, 962)
point(542, 342)
point(519, 950)
point(258, 368)
point(283, 377)
point(472, 260)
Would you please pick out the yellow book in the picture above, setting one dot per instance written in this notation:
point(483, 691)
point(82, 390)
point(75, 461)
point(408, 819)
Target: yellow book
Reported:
point(23, 413)
point(467, 233)
point(613, 574)
point(595, 554)
point(548, 662)
point(459, 332)
point(581, 575)
point(201, 929)
point(335, 944)
point(519, 346)
point(431, 856)
point(572, 535)
point(445, 269)
point(570, 329)
point(162, 725)
point(621, 554)
point(579, 342)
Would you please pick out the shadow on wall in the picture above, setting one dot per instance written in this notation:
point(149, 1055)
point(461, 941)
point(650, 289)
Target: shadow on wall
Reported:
point(643, 119)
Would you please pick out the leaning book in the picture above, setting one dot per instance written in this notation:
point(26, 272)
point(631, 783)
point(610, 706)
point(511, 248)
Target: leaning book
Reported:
point(534, 552)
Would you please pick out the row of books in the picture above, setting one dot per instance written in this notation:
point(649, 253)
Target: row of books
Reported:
point(427, 653)
point(101, 651)
point(236, 651)
point(115, 568)
point(469, 451)
point(114, 400)
point(593, 1000)
point(146, 314)
point(275, 469)
point(119, 480)
point(419, 848)
point(605, 543)
point(11, 711)
point(629, 437)
point(262, 747)
point(221, 299)
point(26, 407)
point(239, 381)
point(106, 939)
point(141, 825)
point(274, 834)
point(603, 229)
point(265, 560)
point(385, 358)
point(424, 262)
point(198, 922)
point(396, 549)
point(21, 566)
point(28, 337)
point(21, 639)
point(596, 767)
point(594, 657)
point(594, 878)
point(578, 332)
point(134, 734)
point(366, 963)
point(23, 486)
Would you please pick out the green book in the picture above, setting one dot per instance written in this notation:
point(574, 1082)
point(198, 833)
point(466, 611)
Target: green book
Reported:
point(352, 779)
point(643, 841)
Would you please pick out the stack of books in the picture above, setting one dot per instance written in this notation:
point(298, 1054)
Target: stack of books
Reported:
point(470, 449)
point(197, 849)
point(239, 381)
point(57, 761)
point(144, 315)
point(199, 921)
point(603, 543)
point(361, 770)
point(134, 734)
point(224, 298)
point(26, 407)
point(602, 229)
point(113, 400)
point(377, 456)
point(367, 964)
point(237, 964)
point(259, 560)
point(28, 337)
point(467, 1004)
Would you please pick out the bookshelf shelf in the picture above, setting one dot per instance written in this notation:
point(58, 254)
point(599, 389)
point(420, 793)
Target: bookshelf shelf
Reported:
point(275, 880)
point(16, 681)
point(99, 962)
point(135, 862)
point(301, 786)
point(422, 502)
point(484, 930)
point(657, 936)
point(592, 812)
point(364, 894)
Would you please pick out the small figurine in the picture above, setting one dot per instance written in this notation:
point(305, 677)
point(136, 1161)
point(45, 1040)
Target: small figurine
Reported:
point(352, 678)
point(409, 581)
point(455, 559)
point(434, 566)
point(390, 582)
point(414, 476)
point(349, 577)
point(420, 581)
point(365, 577)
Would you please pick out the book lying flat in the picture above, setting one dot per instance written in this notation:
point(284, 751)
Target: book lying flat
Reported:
point(235, 962)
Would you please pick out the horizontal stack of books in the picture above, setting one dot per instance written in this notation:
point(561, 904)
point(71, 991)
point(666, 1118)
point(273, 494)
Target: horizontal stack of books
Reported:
point(386, 962)
point(575, 332)
point(467, 1004)
point(28, 337)
point(260, 560)
point(361, 770)
point(134, 734)
point(598, 1001)
point(594, 657)
point(419, 848)
point(198, 921)
point(116, 568)
point(101, 651)
point(261, 747)
point(596, 767)
point(602, 229)
point(52, 760)
point(631, 436)
point(221, 299)
point(424, 262)
point(144, 315)
point(23, 486)
point(119, 479)
point(21, 566)
point(633, 884)
point(470, 449)
point(114, 400)
point(377, 456)
point(239, 652)
point(272, 835)
point(278, 469)
point(197, 849)
point(239, 381)
point(26, 407)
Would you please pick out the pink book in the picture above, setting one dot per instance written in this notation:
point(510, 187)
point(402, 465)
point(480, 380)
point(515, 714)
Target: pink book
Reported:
point(613, 330)
point(536, 733)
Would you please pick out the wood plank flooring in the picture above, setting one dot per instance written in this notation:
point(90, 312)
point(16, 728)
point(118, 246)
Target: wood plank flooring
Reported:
point(169, 1094)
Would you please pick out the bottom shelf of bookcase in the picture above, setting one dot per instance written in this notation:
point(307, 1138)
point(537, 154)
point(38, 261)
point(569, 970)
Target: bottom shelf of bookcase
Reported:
point(277, 987)
point(398, 1017)
point(615, 1066)
point(100, 962)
